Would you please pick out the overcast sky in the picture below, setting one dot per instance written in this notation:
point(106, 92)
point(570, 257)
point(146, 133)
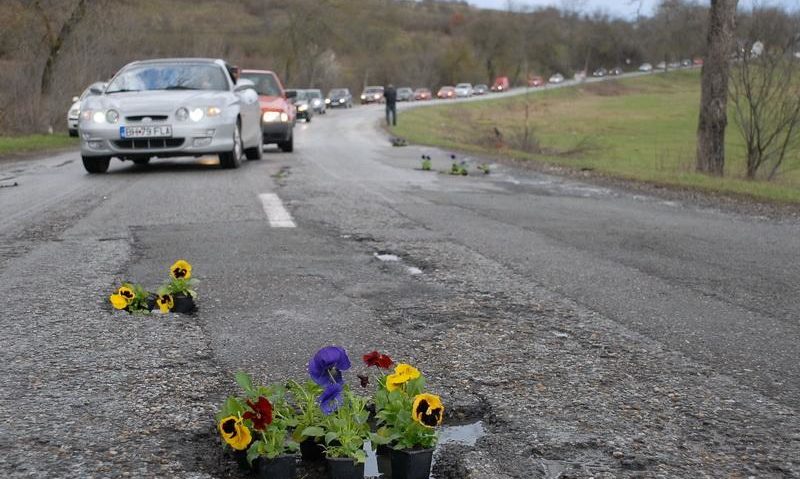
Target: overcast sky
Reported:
point(619, 8)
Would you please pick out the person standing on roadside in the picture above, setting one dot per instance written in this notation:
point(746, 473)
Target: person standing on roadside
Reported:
point(390, 94)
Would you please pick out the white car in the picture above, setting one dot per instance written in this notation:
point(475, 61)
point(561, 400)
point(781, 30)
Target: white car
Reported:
point(74, 112)
point(464, 90)
point(171, 107)
point(646, 67)
point(557, 78)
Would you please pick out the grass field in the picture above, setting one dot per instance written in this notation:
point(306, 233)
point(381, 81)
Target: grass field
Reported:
point(639, 128)
point(31, 143)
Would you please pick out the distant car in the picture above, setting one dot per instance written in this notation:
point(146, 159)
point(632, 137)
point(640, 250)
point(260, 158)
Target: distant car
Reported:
point(339, 97)
point(698, 62)
point(302, 102)
point(600, 72)
point(316, 100)
point(446, 92)
point(464, 90)
point(74, 112)
point(661, 66)
point(501, 83)
point(615, 71)
point(674, 65)
point(579, 75)
point(405, 94)
point(372, 94)
point(686, 63)
point(422, 94)
point(171, 107)
point(535, 81)
point(480, 89)
point(277, 111)
point(645, 67)
point(557, 78)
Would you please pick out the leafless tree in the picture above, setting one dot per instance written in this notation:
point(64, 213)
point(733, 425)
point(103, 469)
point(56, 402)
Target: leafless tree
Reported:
point(766, 99)
point(714, 88)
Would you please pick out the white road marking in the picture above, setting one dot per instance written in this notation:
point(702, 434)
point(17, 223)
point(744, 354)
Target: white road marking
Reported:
point(276, 213)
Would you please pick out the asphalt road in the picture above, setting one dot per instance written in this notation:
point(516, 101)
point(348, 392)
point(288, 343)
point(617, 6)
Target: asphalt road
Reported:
point(596, 332)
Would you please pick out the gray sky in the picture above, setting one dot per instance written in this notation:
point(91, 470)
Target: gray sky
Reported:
point(619, 8)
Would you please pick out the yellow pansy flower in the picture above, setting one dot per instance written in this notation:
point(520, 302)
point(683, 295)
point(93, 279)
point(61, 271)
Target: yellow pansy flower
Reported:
point(126, 293)
point(403, 373)
point(118, 301)
point(181, 270)
point(165, 302)
point(235, 433)
point(427, 410)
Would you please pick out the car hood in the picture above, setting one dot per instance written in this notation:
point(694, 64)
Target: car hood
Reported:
point(274, 103)
point(158, 101)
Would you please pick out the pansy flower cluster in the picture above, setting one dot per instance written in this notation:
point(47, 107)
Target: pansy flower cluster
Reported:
point(177, 295)
point(397, 412)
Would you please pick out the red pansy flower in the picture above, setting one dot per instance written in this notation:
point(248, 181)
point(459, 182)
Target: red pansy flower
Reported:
point(377, 359)
point(261, 414)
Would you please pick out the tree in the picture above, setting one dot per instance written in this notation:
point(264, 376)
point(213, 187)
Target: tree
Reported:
point(714, 88)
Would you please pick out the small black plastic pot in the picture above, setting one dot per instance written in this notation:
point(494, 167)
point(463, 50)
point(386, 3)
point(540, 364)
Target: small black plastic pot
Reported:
point(151, 302)
point(384, 456)
point(345, 468)
point(411, 463)
point(241, 460)
point(281, 467)
point(311, 450)
point(182, 303)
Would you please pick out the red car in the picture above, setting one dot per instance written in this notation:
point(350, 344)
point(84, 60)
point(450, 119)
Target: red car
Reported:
point(501, 84)
point(535, 81)
point(446, 92)
point(278, 115)
point(697, 62)
point(422, 94)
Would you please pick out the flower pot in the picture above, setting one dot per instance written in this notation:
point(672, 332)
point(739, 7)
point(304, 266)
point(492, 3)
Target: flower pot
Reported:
point(411, 463)
point(241, 460)
point(384, 456)
point(311, 450)
point(281, 467)
point(182, 303)
point(151, 302)
point(345, 468)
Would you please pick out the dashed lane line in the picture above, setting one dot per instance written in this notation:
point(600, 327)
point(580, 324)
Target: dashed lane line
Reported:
point(277, 214)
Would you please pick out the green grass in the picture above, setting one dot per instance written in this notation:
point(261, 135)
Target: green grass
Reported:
point(640, 129)
point(32, 143)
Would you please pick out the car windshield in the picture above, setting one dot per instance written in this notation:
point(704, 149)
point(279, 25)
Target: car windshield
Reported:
point(266, 85)
point(373, 90)
point(176, 76)
point(462, 85)
point(338, 92)
point(314, 94)
point(301, 95)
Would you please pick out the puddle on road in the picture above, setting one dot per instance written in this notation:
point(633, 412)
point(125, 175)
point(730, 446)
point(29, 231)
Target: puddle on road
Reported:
point(552, 469)
point(386, 256)
point(412, 270)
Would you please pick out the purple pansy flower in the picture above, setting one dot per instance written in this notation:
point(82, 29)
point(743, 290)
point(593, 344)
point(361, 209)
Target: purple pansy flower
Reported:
point(331, 398)
point(327, 365)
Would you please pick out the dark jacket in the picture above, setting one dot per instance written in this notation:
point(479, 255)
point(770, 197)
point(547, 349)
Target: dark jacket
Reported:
point(391, 96)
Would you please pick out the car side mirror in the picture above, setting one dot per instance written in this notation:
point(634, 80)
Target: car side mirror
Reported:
point(244, 84)
point(75, 99)
point(95, 90)
point(291, 94)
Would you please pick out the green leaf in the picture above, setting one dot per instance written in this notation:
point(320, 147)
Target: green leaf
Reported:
point(244, 381)
point(330, 437)
point(314, 431)
point(253, 452)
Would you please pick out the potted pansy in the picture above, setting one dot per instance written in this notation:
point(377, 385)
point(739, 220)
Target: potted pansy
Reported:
point(308, 431)
point(345, 423)
point(407, 418)
point(260, 424)
point(132, 298)
point(178, 295)
point(381, 363)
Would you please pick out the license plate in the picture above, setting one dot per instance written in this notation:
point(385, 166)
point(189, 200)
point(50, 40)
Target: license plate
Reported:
point(152, 131)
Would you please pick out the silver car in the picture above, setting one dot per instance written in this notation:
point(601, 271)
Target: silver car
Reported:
point(171, 107)
point(74, 112)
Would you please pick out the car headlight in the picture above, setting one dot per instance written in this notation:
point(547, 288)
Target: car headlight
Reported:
point(213, 111)
point(99, 117)
point(196, 114)
point(74, 113)
point(271, 116)
point(341, 100)
point(327, 101)
point(112, 116)
point(181, 114)
point(363, 97)
point(302, 108)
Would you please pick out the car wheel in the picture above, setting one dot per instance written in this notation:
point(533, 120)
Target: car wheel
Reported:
point(232, 159)
point(257, 152)
point(308, 119)
point(96, 164)
point(141, 161)
point(288, 145)
point(73, 133)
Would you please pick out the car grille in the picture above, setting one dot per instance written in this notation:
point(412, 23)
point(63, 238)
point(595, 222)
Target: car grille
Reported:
point(152, 117)
point(148, 143)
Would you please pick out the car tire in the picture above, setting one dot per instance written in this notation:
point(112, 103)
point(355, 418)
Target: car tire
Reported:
point(73, 133)
point(96, 164)
point(232, 159)
point(308, 119)
point(257, 152)
point(288, 145)
point(141, 161)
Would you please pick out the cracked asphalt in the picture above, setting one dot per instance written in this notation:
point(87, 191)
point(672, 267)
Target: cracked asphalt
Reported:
point(595, 332)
